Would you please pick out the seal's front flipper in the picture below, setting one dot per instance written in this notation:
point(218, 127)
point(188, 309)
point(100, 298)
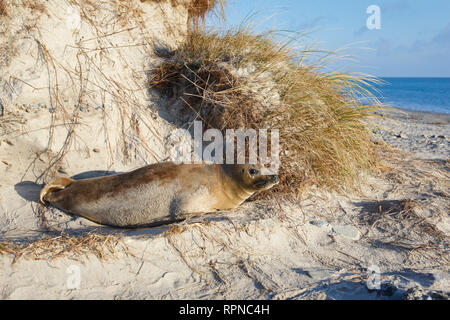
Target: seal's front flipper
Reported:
point(56, 185)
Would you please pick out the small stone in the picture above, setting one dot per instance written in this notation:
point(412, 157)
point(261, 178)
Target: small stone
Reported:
point(62, 170)
point(319, 223)
point(96, 150)
point(320, 274)
point(346, 231)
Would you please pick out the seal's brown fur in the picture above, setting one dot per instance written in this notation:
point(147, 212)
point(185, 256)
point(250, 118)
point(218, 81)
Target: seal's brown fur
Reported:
point(158, 193)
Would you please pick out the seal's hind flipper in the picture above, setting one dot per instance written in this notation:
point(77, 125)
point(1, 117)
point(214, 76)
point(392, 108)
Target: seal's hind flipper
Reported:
point(56, 185)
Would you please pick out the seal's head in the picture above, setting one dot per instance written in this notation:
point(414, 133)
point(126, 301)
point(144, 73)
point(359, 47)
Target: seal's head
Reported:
point(251, 177)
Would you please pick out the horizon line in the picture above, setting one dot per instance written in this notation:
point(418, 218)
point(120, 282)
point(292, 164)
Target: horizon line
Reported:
point(431, 77)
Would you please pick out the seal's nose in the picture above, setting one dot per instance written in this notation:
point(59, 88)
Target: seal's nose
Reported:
point(275, 179)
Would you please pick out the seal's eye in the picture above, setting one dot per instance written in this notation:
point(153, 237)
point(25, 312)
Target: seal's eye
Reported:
point(253, 171)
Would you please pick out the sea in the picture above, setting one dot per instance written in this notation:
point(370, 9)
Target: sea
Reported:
point(417, 94)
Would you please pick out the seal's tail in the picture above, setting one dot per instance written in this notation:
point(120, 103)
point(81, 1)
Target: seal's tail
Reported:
point(56, 185)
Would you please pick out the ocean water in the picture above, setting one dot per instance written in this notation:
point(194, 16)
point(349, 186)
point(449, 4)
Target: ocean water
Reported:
point(418, 94)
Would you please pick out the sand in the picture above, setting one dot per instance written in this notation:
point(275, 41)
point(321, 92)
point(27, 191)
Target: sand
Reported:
point(424, 135)
point(387, 242)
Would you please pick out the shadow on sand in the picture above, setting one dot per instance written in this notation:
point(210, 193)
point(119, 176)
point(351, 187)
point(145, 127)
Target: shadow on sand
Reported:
point(30, 190)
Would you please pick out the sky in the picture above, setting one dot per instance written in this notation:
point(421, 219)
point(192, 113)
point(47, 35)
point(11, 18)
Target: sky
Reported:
point(413, 39)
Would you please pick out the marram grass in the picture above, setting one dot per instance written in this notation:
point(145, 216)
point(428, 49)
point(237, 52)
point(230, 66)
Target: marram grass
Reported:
point(197, 9)
point(323, 138)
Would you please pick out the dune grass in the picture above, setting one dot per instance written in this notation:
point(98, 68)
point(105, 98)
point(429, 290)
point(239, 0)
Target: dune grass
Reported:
point(197, 9)
point(3, 11)
point(49, 248)
point(236, 78)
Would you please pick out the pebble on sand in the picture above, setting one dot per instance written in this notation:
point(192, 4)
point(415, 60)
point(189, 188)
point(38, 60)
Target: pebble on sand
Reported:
point(346, 231)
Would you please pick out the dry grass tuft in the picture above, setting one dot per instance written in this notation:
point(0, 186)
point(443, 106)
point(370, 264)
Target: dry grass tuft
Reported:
point(197, 9)
point(3, 11)
point(102, 246)
point(236, 79)
point(398, 223)
point(9, 122)
point(34, 5)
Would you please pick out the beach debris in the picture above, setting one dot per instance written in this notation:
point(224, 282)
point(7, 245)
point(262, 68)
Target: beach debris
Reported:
point(417, 293)
point(346, 231)
point(319, 223)
point(388, 289)
point(320, 273)
point(62, 170)
point(97, 150)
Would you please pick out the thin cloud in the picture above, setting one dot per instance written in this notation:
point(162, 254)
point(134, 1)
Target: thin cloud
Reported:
point(313, 23)
point(361, 31)
point(443, 37)
point(384, 47)
point(396, 6)
point(438, 44)
point(441, 41)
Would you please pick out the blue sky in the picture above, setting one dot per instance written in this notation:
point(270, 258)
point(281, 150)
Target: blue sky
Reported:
point(414, 39)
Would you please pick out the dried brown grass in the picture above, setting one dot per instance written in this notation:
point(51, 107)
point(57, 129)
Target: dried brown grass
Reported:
point(103, 247)
point(10, 122)
point(3, 11)
point(197, 9)
point(398, 224)
point(34, 5)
